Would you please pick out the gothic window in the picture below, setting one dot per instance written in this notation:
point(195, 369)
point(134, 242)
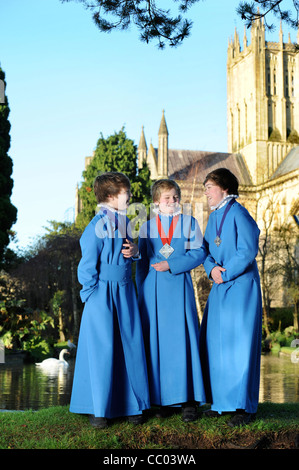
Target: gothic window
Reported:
point(245, 123)
point(232, 129)
point(287, 85)
point(269, 82)
point(274, 81)
point(292, 84)
point(239, 127)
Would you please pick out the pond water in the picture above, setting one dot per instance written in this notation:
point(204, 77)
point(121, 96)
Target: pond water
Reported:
point(24, 386)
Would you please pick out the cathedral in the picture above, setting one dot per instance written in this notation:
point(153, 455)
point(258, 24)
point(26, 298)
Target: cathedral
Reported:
point(263, 137)
point(263, 133)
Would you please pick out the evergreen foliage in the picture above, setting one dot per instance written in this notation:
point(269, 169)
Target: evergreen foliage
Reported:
point(8, 212)
point(115, 153)
point(166, 27)
point(153, 22)
point(257, 9)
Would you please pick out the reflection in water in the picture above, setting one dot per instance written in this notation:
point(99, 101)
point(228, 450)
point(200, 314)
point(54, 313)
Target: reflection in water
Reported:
point(279, 379)
point(25, 386)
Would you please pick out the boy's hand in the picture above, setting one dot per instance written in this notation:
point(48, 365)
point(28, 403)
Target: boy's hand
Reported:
point(216, 274)
point(162, 266)
point(129, 249)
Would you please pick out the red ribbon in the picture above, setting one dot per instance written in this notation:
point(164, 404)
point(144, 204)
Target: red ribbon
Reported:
point(168, 238)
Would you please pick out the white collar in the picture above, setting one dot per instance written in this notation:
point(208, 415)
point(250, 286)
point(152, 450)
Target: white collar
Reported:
point(156, 210)
point(224, 201)
point(112, 209)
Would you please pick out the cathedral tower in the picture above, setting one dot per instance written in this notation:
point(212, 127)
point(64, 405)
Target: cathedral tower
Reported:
point(262, 100)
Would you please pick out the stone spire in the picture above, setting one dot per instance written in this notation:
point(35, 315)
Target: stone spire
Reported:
point(163, 127)
point(142, 149)
point(163, 149)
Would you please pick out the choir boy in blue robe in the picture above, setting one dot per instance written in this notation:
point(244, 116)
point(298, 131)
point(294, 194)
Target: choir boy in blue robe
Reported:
point(230, 334)
point(110, 378)
point(170, 245)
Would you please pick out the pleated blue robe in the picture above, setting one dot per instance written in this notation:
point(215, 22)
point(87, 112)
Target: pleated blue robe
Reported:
point(110, 378)
point(168, 312)
point(230, 334)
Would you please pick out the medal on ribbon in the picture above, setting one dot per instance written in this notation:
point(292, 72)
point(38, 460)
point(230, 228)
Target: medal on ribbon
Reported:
point(218, 231)
point(166, 249)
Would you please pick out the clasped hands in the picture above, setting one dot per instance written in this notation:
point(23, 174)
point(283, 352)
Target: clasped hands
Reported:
point(216, 274)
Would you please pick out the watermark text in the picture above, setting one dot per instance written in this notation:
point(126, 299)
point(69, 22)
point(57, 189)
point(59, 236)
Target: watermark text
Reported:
point(187, 227)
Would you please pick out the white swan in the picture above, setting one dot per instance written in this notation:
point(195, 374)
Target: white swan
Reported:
point(53, 363)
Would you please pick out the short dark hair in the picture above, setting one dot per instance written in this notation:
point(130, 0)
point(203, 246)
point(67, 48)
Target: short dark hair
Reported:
point(164, 185)
point(110, 184)
point(225, 179)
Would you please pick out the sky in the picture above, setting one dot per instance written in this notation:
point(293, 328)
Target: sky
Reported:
point(68, 83)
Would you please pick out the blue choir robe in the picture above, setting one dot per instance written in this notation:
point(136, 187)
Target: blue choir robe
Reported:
point(168, 312)
point(230, 334)
point(110, 377)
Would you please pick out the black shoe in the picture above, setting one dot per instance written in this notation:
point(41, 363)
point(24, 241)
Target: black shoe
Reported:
point(136, 419)
point(99, 423)
point(240, 419)
point(164, 412)
point(211, 414)
point(189, 412)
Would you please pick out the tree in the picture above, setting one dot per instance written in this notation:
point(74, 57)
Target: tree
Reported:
point(287, 261)
point(8, 212)
point(251, 11)
point(48, 270)
point(266, 255)
point(155, 23)
point(116, 153)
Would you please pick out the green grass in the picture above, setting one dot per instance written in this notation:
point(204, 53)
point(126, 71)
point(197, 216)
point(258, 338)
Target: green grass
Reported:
point(276, 426)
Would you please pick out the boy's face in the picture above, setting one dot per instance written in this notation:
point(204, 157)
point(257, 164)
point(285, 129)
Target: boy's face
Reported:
point(214, 193)
point(121, 201)
point(169, 201)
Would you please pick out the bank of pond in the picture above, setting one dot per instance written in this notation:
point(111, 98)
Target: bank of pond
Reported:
point(26, 386)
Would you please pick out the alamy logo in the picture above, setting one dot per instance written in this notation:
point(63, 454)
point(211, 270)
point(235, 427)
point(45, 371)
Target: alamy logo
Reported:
point(2, 90)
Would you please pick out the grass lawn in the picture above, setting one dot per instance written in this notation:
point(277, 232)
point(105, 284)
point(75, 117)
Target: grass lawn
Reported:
point(276, 427)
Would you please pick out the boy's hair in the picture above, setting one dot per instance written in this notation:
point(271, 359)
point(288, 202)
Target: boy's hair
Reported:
point(225, 179)
point(164, 185)
point(109, 184)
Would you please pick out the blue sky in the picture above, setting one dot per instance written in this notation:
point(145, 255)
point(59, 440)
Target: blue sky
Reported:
point(67, 83)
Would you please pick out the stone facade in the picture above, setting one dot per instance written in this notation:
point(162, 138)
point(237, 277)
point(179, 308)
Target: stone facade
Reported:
point(262, 104)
